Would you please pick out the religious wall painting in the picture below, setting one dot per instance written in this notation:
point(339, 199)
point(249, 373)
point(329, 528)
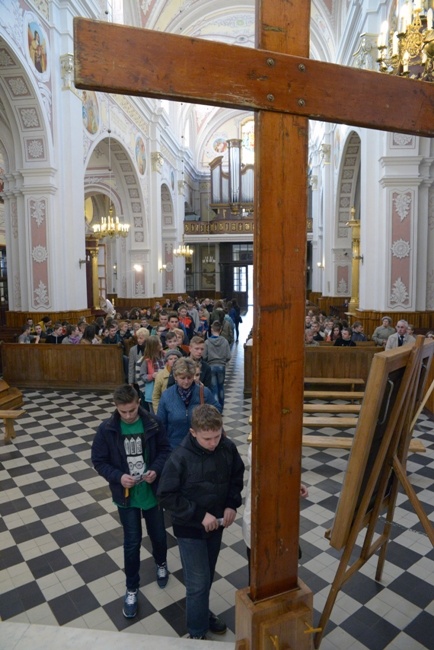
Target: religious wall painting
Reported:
point(220, 145)
point(37, 47)
point(140, 155)
point(90, 111)
point(401, 248)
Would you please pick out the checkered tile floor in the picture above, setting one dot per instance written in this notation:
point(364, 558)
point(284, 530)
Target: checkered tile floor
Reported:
point(61, 543)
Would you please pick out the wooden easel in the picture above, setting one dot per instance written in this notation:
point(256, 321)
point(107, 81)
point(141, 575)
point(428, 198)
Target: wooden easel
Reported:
point(380, 493)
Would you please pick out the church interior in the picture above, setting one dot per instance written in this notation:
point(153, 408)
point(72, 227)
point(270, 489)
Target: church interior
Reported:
point(136, 200)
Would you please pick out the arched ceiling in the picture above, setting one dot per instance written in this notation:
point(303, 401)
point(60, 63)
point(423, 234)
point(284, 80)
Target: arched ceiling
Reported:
point(230, 22)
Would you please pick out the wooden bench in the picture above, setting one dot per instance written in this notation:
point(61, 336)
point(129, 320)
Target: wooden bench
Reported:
point(331, 408)
point(336, 442)
point(335, 422)
point(8, 418)
point(335, 381)
point(325, 362)
point(80, 367)
point(333, 394)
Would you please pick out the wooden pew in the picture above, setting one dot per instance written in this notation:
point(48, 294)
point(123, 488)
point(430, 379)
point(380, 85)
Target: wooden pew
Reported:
point(335, 422)
point(332, 408)
point(325, 361)
point(81, 367)
point(335, 381)
point(336, 442)
point(333, 394)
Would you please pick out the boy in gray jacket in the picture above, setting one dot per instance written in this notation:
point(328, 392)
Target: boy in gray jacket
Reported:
point(217, 354)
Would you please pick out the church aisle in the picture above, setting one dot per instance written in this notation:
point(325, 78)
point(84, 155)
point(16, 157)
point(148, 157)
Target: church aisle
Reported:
point(60, 540)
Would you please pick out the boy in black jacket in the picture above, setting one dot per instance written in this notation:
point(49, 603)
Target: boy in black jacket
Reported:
point(129, 451)
point(201, 486)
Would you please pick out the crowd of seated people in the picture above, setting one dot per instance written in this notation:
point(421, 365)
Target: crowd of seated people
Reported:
point(322, 328)
point(146, 334)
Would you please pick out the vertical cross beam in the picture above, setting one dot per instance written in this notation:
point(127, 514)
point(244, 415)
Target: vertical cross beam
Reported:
point(278, 350)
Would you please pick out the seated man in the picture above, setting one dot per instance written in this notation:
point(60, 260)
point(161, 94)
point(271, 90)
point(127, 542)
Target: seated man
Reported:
point(57, 335)
point(401, 336)
point(345, 339)
point(24, 337)
point(316, 331)
point(73, 335)
point(357, 334)
point(309, 338)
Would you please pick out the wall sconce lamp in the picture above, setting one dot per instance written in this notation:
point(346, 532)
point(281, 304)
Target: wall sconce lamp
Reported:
point(358, 257)
point(320, 265)
point(81, 262)
point(162, 268)
point(115, 270)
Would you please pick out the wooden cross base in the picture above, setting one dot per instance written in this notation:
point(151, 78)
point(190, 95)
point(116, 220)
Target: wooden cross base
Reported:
point(282, 621)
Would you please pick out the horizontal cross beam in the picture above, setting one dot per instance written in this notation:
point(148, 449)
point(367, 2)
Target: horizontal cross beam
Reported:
point(133, 61)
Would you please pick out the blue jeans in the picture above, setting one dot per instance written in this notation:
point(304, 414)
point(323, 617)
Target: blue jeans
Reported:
point(218, 383)
point(131, 520)
point(199, 557)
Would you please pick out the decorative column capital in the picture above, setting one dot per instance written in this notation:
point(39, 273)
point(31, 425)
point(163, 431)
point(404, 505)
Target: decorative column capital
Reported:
point(157, 161)
point(67, 70)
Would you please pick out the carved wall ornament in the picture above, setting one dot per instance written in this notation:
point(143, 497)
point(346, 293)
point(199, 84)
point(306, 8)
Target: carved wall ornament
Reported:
point(402, 140)
point(342, 287)
point(140, 289)
point(14, 219)
point(401, 249)
point(29, 118)
point(38, 210)
point(399, 296)
point(67, 71)
point(41, 295)
point(157, 161)
point(35, 149)
point(402, 204)
point(40, 254)
point(366, 56)
point(17, 292)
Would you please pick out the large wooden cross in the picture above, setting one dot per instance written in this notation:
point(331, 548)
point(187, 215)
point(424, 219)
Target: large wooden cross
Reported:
point(284, 87)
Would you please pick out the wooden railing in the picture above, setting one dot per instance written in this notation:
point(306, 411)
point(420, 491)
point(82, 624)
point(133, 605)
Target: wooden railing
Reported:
point(87, 367)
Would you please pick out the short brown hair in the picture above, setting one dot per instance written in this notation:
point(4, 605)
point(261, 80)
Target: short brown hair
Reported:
point(197, 340)
point(206, 417)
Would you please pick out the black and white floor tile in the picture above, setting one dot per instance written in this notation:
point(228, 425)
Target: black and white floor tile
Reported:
point(61, 543)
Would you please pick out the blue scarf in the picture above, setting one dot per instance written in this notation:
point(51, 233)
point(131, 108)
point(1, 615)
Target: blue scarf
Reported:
point(186, 394)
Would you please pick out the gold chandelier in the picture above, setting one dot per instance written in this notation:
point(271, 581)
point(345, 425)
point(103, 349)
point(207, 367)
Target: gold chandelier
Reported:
point(183, 250)
point(407, 49)
point(110, 227)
